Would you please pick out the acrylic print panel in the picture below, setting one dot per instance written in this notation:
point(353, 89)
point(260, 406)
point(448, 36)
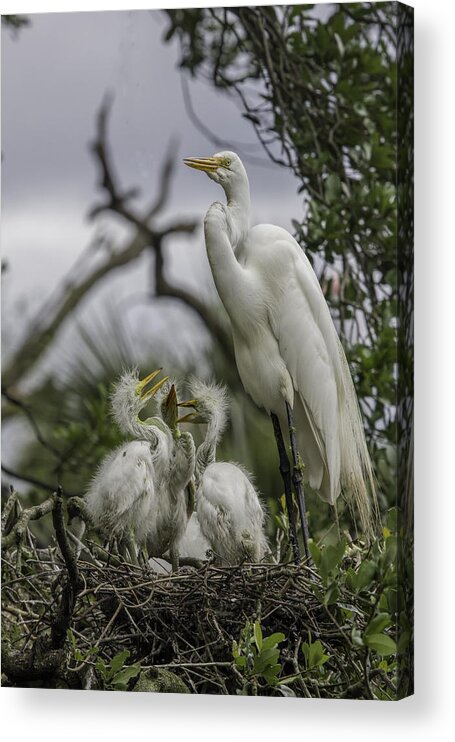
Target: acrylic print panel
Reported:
point(207, 330)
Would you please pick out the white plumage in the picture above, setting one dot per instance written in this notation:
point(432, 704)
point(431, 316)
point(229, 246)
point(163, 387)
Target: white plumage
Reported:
point(122, 492)
point(229, 515)
point(138, 494)
point(194, 544)
point(287, 350)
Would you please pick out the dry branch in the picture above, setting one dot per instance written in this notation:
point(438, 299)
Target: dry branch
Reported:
point(147, 236)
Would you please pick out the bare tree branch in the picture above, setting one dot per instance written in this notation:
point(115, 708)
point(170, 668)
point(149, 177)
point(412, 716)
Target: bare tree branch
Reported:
point(42, 333)
point(17, 533)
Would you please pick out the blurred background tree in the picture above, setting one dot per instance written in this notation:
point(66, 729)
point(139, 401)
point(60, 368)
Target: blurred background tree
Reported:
point(318, 85)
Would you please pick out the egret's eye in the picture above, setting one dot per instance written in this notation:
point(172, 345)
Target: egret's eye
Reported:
point(227, 162)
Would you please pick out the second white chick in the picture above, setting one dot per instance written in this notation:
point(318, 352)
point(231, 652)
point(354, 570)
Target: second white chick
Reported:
point(229, 512)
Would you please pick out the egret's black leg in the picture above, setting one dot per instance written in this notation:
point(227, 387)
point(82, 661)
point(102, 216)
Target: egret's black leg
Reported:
point(285, 470)
point(297, 480)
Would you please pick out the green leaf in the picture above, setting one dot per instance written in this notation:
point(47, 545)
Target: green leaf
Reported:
point(265, 659)
point(391, 548)
point(332, 594)
point(332, 188)
point(365, 574)
point(315, 552)
point(317, 656)
point(272, 640)
point(258, 635)
point(331, 557)
point(403, 641)
point(72, 639)
point(118, 661)
point(314, 654)
point(378, 624)
point(351, 578)
point(101, 667)
point(122, 677)
point(381, 643)
point(271, 674)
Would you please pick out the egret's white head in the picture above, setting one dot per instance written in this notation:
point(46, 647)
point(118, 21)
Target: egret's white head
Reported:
point(225, 168)
point(131, 394)
point(210, 403)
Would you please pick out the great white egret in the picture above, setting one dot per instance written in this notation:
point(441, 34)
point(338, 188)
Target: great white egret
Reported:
point(229, 514)
point(138, 493)
point(287, 350)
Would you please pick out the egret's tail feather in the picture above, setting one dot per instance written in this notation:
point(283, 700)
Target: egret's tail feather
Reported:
point(357, 477)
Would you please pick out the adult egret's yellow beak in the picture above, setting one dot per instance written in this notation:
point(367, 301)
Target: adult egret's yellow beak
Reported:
point(207, 164)
point(147, 393)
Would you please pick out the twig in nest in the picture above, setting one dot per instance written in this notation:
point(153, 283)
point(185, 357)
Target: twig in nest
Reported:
point(74, 584)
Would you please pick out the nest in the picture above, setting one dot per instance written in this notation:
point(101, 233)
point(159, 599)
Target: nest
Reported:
point(66, 623)
point(186, 623)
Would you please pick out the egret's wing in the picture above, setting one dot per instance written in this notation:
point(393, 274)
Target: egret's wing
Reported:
point(326, 407)
point(301, 322)
point(213, 505)
point(230, 513)
point(122, 486)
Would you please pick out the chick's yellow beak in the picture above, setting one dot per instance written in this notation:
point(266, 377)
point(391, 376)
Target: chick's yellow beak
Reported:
point(207, 164)
point(141, 388)
point(188, 403)
point(170, 408)
point(191, 417)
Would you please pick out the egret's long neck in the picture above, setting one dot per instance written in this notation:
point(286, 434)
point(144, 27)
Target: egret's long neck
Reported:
point(224, 233)
point(239, 204)
point(153, 429)
point(206, 452)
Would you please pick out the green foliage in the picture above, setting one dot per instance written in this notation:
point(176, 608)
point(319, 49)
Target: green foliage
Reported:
point(314, 655)
point(364, 592)
point(257, 657)
point(115, 675)
point(78, 431)
point(77, 654)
